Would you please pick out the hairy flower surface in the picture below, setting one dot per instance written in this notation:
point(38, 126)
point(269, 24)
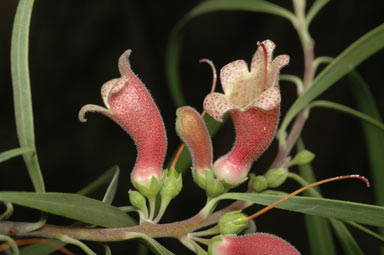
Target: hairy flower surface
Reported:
point(253, 99)
point(252, 244)
point(193, 132)
point(130, 105)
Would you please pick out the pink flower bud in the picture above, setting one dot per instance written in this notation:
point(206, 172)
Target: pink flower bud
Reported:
point(253, 100)
point(131, 106)
point(193, 132)
point(252, 244)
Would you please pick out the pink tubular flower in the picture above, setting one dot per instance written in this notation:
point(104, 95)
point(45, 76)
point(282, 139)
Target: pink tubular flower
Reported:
point(252, 244)
point(131, 106)
point(192, 130)
point(253, 100)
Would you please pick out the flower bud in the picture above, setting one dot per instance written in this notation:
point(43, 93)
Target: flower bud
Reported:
point(215, 188)
point(173, 183)
point(131, 106)
point(302, 158)
point(137, 199)
point(276, 176)
point(232, 222)
point(259, 183)
point(193, 132)
point(251, 244)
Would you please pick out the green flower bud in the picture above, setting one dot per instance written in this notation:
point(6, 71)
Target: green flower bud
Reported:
point(137, 199)
point(215, 188)
point(302, 158)
point(233, 223)
point(259, 183)
point(173, 183)
point(153, 189)
point(276, 176)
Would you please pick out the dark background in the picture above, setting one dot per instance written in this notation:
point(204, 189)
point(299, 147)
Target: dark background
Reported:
point(74, 47)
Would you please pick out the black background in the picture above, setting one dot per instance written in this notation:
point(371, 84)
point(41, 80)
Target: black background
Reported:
point(74, 47)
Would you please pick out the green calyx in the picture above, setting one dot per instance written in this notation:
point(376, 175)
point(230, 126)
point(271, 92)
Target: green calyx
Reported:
point(172, 184)
point(276, 176)
point(259, 183)
point(209, 183)
point(137, 199)
point(233, 223)
point(152, 190)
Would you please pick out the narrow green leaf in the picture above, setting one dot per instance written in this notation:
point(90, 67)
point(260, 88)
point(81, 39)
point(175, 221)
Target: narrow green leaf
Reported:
point(22, 92)
point(314, 10)
point(4, 156)
point(349, 244)
point(72, 206)
point(357, 52)
point(100, 181)
point(112, 188)
point(40, 249)
point(343, 210)
point(367, 231)
point(175, 41)
point(318, 229)
point(374, 137)
point(347, 110)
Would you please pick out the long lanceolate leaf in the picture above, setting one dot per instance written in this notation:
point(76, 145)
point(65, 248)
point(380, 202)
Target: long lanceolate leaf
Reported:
point(22, 92)
point(72, 206)
point(348, 211)
point(175, 40)
point(374, 137)
point(360, 50)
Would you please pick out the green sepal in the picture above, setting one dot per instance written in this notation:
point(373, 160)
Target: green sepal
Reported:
point(276, 176)
point(215, 188)
point(233, 223)
point(212, 242)
point(153, 189)
point(172, 184)
point(137, 200)
point(202, 180)
point(259, 183)
point(231, 186)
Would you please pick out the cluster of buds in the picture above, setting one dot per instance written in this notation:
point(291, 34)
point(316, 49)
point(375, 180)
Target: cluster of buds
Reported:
point(252, 97)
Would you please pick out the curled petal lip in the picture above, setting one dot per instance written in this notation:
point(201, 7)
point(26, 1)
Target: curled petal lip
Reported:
point(244, 89)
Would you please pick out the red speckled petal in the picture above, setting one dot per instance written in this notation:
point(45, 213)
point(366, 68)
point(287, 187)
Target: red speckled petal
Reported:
point(268, 100)
point(216, 104)
point(231, 73)
point(253, 244)
point(258, 59)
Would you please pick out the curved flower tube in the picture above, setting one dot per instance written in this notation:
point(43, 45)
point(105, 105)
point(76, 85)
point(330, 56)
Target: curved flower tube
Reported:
point(131, 106)
point(193, 132)
point(253, 100)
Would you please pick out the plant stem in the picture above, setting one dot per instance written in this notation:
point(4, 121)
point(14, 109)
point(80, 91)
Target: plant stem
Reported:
point(307, 43)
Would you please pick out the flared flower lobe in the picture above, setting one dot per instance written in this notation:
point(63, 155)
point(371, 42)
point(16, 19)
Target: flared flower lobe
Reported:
point(131, 106)
point(253, 99)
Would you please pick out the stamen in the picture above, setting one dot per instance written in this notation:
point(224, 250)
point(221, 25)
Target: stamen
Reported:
point(337, 178)
point(265, 64)
point(214, 80)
